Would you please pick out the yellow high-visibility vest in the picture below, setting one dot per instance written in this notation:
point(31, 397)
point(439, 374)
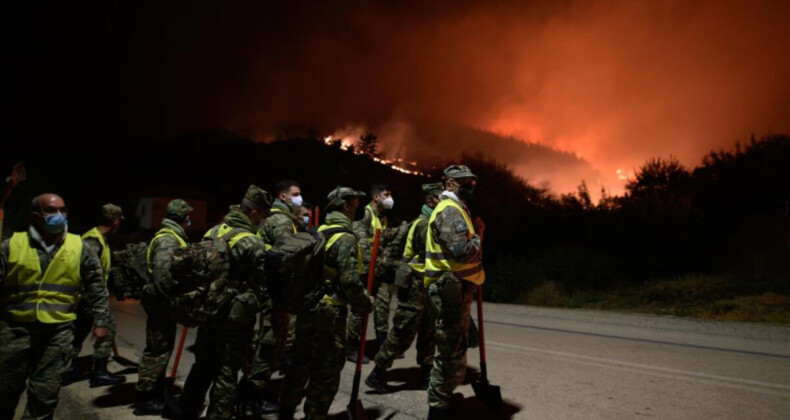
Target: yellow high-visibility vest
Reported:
point(162, 232)
point(412, 257)
point(106, 255)
point(51, 297)
point(436, 263)
point(331, 273)
point(375, 221)
point(221, 229)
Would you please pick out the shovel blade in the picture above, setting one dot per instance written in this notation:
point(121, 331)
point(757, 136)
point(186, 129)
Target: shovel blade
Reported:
point(491, 395)
point(356, 411)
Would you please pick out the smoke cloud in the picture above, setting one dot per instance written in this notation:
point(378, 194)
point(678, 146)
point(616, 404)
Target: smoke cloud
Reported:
point(613, 82)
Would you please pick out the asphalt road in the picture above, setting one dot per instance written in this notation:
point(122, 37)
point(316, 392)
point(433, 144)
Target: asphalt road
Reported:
point(550, 364)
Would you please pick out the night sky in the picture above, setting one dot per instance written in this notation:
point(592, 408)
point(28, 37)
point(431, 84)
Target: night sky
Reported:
point(615, 82)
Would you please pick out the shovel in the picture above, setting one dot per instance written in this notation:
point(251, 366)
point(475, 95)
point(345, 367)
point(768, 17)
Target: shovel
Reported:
point(181, 341)
point(489, 394)
point(355, 409)
point(173, 403)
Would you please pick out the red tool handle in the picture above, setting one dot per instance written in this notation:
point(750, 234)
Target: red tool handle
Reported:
point(371, 274)
point(178, 352)
point(361, 354)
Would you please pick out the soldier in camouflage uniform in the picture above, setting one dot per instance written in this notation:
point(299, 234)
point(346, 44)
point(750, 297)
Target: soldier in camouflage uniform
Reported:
point(271, 337)
point(224, 341)
point(320, 343)
point(453, 270)
point(111, 216)
point(160, 327)
point(365, 229)
point(411, 314)
point(42, 273)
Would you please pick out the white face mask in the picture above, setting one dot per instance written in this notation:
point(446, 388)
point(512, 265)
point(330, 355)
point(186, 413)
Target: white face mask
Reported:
point(388, 203)
point(296, 201)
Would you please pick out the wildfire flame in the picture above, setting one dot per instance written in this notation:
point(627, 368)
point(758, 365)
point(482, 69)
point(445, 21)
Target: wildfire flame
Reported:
point(400, 165)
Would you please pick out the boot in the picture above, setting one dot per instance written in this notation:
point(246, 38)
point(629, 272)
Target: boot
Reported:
point(70, 376)
point(377, 381)
point(286, 412)
point(268, 407)
point(101, 377)
point(437, 413)
point(352, 351)
point(149, 404)
point(425, 379)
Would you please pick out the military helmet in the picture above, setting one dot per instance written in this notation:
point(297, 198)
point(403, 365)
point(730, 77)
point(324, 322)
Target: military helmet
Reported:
point(434, 188)
point(340, 195)
point(178, 209)
point(259, 197)
point(459, 171)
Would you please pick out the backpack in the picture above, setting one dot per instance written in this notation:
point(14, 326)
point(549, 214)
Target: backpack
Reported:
point(129, 272)
point(201, 276)
point(298, 261)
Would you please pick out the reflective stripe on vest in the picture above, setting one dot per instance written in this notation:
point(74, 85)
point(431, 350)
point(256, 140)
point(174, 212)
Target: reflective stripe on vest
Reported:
point(410, 257)
point(223, 229)
point(51, 298)
point(331, 273)
point(105, 250)
point(220, 230)
point(237, 237)
point(436, 263)
point(162, 232)
point(375, 222)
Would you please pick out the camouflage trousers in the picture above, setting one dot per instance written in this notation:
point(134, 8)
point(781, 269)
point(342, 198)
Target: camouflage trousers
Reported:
point(220, 351)
point(269, 346)
point(160, 338)
point(83, 326)
point(289, 338)
point(39, 354)
point(318, 358)
point(411, 319)
point(450, 299)
point(381, 314)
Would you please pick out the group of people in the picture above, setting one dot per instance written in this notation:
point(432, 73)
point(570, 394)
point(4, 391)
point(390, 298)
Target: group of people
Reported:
point(53, 293)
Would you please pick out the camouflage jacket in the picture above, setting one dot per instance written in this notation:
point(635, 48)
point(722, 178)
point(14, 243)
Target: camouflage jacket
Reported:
point(280, 223)
point(162, 258)
point(246, 271)
point(96, 247)
point(451, 232)
point(343, 256)
point(364, 230)
point(93, 290)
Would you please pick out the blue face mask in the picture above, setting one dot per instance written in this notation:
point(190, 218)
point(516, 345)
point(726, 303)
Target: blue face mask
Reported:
point(55, 223)
point(306, 220)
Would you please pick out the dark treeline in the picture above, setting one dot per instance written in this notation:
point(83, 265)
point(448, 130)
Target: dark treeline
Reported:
point(727, 216)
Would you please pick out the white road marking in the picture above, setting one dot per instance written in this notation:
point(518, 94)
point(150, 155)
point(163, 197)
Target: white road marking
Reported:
point(739, 383)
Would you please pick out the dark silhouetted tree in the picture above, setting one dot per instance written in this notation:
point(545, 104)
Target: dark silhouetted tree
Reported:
point(368, 144)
